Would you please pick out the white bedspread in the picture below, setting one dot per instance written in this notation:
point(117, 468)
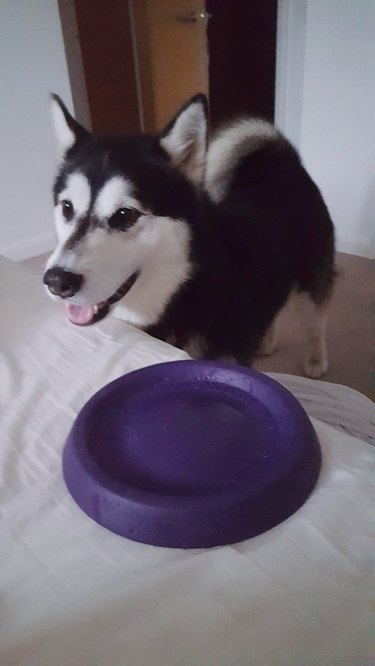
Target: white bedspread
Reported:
point(74, 594)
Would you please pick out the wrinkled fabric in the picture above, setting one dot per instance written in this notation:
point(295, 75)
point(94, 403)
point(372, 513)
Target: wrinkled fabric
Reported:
point(340, 406)
point(74, 594)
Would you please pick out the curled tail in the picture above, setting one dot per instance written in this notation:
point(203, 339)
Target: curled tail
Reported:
point(230, 145)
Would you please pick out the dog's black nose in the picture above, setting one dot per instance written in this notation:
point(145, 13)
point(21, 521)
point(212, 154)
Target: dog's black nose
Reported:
point(62, 283)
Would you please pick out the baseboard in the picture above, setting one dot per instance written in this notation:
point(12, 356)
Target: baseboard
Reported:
point(359, 249)
point(29, 247)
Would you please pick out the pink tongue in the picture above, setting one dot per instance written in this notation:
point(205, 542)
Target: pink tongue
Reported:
point(79, 314)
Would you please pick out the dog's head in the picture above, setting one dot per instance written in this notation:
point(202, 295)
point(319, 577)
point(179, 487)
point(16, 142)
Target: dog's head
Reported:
point(119, 207)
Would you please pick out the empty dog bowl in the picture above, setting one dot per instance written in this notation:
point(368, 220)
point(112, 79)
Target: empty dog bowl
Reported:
point(191, 454)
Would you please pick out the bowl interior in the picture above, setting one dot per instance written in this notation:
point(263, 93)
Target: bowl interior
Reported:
point(185, 441)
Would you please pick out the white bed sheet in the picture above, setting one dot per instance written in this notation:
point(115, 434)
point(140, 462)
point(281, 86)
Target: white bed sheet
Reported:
point(74, 594)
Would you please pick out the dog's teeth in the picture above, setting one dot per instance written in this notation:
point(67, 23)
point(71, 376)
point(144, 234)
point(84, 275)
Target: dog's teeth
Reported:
point(95, 309)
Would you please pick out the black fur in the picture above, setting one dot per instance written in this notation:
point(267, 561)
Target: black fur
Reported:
point(272, 233)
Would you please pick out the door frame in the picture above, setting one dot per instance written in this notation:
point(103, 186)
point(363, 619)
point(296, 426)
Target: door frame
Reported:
point(290, 66)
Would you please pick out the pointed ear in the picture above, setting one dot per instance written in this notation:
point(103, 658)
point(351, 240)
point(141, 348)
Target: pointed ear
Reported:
point(67, 130)
point(185, 139)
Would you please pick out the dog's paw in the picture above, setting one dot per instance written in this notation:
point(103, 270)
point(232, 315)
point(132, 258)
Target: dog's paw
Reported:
point(315, 367)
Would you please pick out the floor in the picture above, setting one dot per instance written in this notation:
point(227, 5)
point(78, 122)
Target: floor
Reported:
point(351, 328)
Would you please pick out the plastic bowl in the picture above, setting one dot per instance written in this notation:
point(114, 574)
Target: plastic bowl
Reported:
point(191, 454)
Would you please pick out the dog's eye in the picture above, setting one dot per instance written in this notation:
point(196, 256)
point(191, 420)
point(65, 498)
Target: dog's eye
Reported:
point(67, 209)
point(123, 218)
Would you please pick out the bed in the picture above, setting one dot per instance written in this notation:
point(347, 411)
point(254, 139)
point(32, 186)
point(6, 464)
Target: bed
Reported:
point(74, 594)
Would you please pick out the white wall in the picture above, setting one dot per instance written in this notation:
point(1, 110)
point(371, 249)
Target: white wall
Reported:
point(325, 102)
point(32, 64)
point(326, 105)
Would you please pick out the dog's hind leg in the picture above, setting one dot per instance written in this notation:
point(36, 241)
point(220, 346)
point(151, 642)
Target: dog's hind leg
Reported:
point(269, 342)
point(316, 279)
point(314, 317)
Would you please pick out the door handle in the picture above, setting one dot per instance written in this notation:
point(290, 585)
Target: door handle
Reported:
point(192, 17)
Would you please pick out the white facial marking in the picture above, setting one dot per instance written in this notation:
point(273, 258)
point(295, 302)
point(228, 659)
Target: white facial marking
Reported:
point(115, 194)
point(165, 267)
point(64, 135)
point(77, 190)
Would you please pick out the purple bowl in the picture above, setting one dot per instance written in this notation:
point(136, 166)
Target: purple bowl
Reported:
point(191, 454)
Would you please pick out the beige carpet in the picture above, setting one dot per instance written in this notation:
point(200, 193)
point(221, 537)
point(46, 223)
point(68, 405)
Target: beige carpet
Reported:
point(350, 333)
point(351, 328)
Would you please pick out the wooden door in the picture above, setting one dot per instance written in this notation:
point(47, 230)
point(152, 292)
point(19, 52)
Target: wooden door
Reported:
point(142, 59)
point(105, 37)
point(171, 54)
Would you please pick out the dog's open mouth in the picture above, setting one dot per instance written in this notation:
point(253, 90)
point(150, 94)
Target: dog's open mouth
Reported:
point(84, 315)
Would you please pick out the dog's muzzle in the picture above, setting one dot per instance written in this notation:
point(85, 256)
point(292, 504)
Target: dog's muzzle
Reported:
point(64, 284)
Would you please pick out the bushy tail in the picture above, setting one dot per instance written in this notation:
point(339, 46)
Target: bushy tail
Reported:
point(229, 146)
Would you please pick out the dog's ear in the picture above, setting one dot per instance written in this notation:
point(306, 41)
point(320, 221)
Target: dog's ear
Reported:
point(185, 139)
point(68, 132)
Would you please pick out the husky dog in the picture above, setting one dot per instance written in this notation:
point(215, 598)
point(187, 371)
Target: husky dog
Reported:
point(197, 243)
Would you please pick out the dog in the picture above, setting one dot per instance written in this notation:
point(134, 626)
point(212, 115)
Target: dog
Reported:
point(200, 243)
